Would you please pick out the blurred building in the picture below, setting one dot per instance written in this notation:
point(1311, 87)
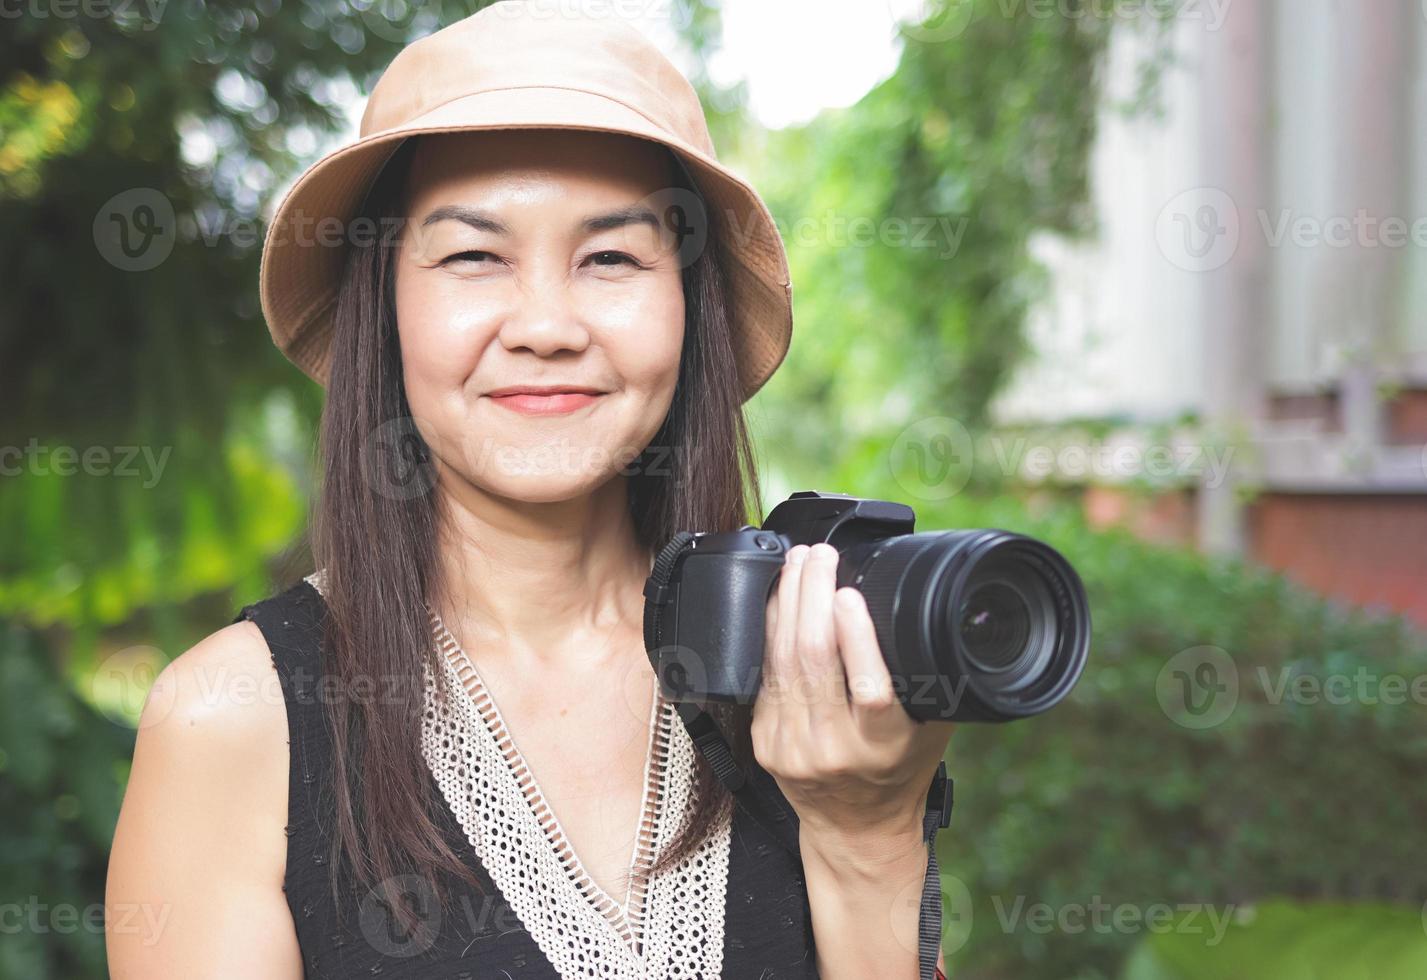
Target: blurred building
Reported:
point(1258, 290)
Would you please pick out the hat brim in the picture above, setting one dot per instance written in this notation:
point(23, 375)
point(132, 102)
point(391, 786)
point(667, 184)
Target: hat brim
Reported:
point(304, 248)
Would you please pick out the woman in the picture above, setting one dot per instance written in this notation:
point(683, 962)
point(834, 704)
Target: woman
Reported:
point(445, 754)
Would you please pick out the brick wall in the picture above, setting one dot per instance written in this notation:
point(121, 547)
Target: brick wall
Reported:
point(1368, 549)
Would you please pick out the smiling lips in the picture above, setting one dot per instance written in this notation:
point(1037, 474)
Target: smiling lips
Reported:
point(546, 399)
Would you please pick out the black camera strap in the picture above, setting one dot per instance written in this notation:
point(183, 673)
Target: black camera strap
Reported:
point(770, 810)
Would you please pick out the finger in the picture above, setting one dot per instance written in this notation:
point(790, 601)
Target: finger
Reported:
point(770, 633)
point(872, 695)
point(780, 661)
point(817, 635)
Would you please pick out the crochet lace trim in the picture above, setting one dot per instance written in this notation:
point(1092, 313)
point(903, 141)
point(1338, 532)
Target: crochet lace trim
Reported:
point(668, 925)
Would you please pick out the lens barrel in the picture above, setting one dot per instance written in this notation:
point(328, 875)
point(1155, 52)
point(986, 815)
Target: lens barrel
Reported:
point(983, 625)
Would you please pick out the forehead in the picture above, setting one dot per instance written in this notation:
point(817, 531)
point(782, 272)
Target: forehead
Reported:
point(571, 161)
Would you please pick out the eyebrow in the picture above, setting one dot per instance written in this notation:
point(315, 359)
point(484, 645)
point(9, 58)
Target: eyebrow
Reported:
point(485, 221)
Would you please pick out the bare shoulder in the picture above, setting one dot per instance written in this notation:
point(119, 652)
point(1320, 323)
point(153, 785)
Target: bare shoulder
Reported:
point(201, 829)
point(224, 687)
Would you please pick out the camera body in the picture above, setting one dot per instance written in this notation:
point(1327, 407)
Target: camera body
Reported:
point(982, 625)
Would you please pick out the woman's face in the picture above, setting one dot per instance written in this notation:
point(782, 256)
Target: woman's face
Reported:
point(537, 258)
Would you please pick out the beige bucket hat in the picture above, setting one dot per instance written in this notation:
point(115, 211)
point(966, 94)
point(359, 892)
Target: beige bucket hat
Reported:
point(523, 64)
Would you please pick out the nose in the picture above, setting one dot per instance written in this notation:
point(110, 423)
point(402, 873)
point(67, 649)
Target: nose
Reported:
point(544, 320)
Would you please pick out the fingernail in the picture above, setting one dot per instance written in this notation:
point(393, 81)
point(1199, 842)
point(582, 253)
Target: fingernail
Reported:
point(797, 553)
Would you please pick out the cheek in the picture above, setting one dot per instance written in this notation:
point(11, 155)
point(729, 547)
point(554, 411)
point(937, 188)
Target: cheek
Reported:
point(441, 332)
point(643, 336)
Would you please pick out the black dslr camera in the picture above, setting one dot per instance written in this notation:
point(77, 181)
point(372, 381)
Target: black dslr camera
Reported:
point(980, 625)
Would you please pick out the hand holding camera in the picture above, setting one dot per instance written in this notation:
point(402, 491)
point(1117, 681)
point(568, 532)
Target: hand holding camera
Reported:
point(978, 625)
point(827, 723)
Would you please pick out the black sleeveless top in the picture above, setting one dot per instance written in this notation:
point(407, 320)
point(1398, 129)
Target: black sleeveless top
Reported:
point(767, 921)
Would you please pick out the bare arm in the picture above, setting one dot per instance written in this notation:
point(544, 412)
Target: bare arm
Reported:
point(195, 879)
point(864, 898)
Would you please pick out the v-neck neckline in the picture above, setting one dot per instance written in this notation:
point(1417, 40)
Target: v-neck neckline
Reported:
point(627, 916)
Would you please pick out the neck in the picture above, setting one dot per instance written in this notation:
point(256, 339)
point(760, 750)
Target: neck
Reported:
point(556, 584)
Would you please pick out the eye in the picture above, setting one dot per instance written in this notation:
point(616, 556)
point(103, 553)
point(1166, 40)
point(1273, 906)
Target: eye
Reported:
point(613, 258)
point(471, 255)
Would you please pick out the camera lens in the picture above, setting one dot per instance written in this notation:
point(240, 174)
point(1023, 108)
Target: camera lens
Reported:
point(975, 625)
point(995, 623)
point(1007, 624)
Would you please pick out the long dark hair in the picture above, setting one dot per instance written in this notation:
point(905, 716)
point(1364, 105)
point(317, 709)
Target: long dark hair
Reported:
point(379, 548)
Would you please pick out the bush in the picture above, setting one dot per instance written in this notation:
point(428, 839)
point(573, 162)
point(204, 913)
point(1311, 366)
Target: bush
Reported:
point(1295, 942)
point(62, 771)
point(1119, 798)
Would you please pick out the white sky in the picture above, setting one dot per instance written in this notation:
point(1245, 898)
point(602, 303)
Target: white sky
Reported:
point(798, 56)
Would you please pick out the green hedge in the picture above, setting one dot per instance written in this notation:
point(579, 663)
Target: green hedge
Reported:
point(62, 772)
point(1104, 807)
point(1108, 802)
point(1286, 941)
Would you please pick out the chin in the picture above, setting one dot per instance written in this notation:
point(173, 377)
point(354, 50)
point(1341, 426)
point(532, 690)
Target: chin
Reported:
point(536, 487)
